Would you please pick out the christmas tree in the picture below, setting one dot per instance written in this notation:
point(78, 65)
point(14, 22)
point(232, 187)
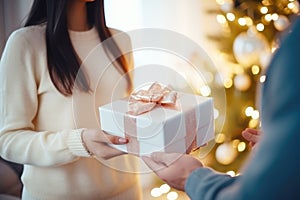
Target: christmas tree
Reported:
point(251, 32)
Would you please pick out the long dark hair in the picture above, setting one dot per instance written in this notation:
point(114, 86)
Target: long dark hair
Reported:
point(63, 62)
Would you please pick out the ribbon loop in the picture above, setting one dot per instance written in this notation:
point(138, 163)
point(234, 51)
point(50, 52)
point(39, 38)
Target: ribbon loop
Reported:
point(145, 100)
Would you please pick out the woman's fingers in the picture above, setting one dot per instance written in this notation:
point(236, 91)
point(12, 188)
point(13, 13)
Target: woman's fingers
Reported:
point(115, 139)
point(98, 143)
point(100, 136)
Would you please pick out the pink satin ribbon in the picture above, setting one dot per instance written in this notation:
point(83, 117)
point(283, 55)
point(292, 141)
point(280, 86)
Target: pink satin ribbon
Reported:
point(145, 100)
point(191, 130)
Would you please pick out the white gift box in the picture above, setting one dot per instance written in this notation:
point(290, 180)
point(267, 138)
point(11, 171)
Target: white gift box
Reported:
point(181, 128)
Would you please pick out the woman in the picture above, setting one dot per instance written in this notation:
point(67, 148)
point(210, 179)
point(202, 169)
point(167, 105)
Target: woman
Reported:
point(43, 125)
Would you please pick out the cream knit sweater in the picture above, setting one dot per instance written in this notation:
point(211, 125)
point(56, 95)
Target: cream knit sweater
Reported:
point(41, 128)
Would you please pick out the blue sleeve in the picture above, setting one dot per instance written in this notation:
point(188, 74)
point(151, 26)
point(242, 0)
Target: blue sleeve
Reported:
point(205, 183)
point(273, 171)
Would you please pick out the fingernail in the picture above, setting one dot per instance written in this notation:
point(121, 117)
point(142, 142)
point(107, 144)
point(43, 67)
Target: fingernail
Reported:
point(123, 140)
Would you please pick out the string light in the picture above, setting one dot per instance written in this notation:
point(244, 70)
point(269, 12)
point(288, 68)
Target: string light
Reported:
point(241, 147)
point(205, 90)
point(228, 83)
point(260, 27)
point(172, 195)
point(294, 6)
point(291, 5)
point(164, 188)
point(220, 2)
point(268, 17)
point(235, 143)
point(156, 192)
point(255, 69)
point(249, 21)
point(230, 17)
point(264, 10)
point(220, 138)
point(253, 123)
point(221, 19)
point(242, 21)
point(231, 173)
point(262, 79)
point(255, 114)
point(275, 16)
point(265, 2)
point(248, 111)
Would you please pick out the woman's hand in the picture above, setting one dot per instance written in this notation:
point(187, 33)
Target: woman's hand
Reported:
point(251, 135)
point(173, 168)
point(97, 143)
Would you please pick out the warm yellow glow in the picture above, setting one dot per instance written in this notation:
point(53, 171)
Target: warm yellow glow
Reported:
point(205, 91)
point(291, 5)
point(220, 138)
point(155, 192)
point(235, 143)
point(172, 195)
point(260, 27)
point(294, 6)
point(230, 17)
point(221, 19)
point(255, 114)
point(274, 49)
point(249, 21)
point(228, 83)
point(237, 69)
point(248, 111)
point(265, 2)
point(242, 21)
point(220, 2)
point(275, 16)
point(164, 188)
point(255, 69)
point(241, 146)
point(264, 10)
point(253, 123)
point(262, 79)
point(268, 17)
point(231, 173)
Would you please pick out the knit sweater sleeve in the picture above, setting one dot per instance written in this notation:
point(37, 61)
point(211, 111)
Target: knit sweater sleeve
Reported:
point(205, 183)
point(19, 142)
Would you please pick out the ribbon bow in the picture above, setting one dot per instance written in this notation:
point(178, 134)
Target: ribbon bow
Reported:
point(145, 100)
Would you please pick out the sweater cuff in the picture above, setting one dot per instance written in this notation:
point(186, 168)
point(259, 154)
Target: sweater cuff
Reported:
point(194, 179)
point(76, 145)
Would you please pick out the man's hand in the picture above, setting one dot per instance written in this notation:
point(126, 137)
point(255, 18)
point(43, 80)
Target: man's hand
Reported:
point(173, 168)
point(251, 135)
